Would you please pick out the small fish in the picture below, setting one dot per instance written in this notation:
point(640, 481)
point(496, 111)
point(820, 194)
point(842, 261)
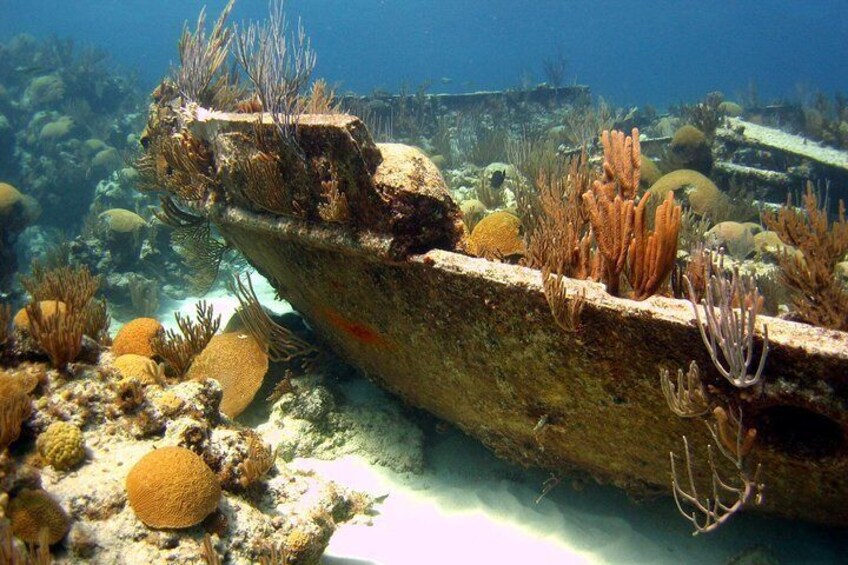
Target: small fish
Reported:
point(30, 69)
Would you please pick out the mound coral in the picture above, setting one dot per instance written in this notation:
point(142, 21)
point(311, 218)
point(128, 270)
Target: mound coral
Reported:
point(31, 511)
point(10, 199)
point(172, 487)
point(238, 362)
point(122, 221)
point(701, 193)
point(733, 237)
point(498, 234)
point(49, 308)
point(691, 150)
point(61, 445)
point(15, 407)
point(131, 365)
point(135, 337)
point(57, 129)
point(650, 172)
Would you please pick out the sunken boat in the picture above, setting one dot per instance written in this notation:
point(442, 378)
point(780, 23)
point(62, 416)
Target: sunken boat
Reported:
point(366, 244)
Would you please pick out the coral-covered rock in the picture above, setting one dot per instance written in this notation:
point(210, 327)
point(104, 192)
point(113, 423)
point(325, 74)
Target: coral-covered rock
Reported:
point(172, 487)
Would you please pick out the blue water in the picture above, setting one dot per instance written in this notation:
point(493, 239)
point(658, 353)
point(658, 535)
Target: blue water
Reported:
point(636, 52)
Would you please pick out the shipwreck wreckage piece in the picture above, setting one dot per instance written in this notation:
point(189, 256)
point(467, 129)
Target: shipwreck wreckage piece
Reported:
point(474, 342)
point(775, 160)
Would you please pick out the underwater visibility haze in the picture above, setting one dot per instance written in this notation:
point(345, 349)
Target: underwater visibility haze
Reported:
point(411, 282)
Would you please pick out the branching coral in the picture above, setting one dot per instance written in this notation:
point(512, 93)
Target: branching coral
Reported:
point(281, 343)
point(179, 348)
point(610, 205)
point(75, 286)
point(689, 399)
point(201, 58)
point(727, 331)
point(652, 255)
point(59, 334)
point(817, 294)
point(5, 320)
point(278, 65)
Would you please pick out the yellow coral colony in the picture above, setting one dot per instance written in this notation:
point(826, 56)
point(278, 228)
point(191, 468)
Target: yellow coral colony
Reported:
point(172, 487)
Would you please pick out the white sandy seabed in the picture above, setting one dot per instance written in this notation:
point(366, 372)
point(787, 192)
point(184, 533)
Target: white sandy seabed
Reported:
point(468, 507)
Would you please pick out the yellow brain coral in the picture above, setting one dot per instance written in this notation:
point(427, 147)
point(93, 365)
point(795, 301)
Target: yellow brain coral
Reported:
point(238, 362)
point(172, 487)
point(138, 367)
point(135, 337)
point(62, 445)
point(48, 309)
point(32, 510)
point(10, 197)
point(498, 233)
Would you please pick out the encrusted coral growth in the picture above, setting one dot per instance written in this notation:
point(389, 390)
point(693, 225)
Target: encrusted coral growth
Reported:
point(817, 294)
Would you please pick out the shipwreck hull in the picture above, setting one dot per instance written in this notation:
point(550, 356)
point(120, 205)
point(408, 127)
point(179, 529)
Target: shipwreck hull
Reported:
point(474, 343)
point(353, 235)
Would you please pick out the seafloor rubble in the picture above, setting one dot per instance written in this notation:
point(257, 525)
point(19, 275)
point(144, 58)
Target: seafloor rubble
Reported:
point(114, 452)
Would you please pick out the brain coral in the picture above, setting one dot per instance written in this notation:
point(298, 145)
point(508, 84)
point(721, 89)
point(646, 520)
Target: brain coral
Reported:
point(61, 445)
point(48, 308)
point(701, 193)
point(120, 220)
point(172, 487)
point(10, 198)
point(691, 149)
point(498, 233)
point(135, 337)
point(138, 367)
point(238, 362)
point(15, 406)
point(32, 510)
